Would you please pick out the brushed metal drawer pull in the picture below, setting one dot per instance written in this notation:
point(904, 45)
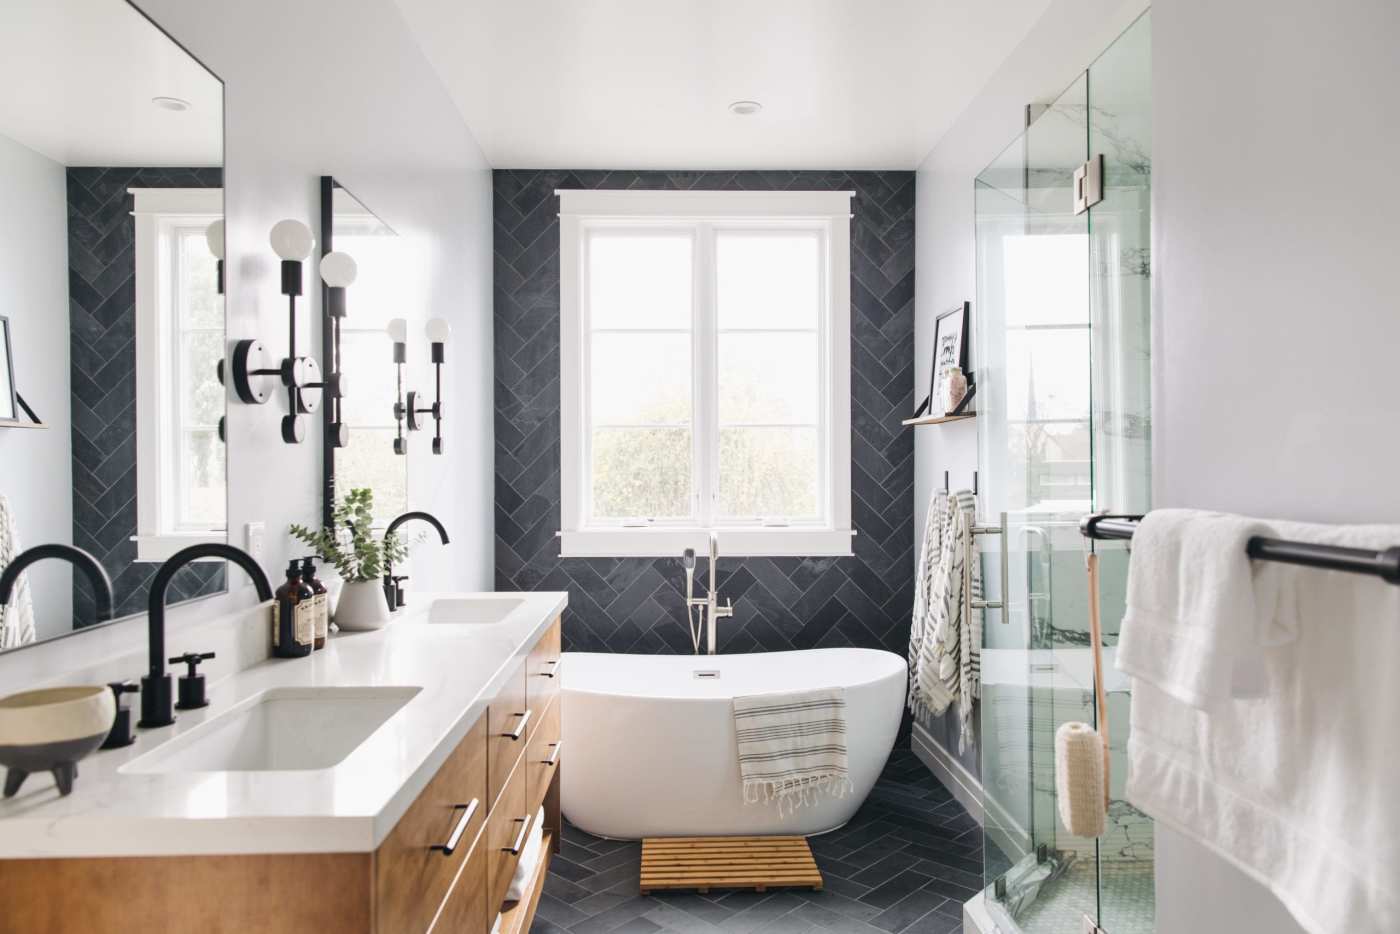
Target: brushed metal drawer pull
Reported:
point(514, 850)
point(554, 757)
point(552, 671)
point(519, 730)
point(447, 849)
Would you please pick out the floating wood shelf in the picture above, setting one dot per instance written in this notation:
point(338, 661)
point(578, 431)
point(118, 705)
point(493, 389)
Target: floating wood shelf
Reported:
point(703, 863)
point(937, 419)
point(517, 918)
point(22, 425)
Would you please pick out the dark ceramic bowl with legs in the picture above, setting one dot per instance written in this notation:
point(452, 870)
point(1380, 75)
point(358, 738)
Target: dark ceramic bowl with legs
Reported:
point(50, 730)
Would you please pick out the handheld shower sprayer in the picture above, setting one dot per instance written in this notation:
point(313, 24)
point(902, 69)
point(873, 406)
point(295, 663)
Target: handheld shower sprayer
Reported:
point(688, 562)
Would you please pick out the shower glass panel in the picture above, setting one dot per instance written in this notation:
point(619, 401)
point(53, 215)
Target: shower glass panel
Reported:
point(1064, 429)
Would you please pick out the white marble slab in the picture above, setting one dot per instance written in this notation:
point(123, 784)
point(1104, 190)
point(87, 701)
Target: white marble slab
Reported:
point(350, 807)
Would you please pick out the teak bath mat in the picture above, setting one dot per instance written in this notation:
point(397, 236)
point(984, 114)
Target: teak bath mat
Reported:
point(704, 863)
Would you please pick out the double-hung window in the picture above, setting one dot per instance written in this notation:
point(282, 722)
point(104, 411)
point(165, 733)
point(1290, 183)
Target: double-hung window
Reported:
point(180, 496)
point(705, 372)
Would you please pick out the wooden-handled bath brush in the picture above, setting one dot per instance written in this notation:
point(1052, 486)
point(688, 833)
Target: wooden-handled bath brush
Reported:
point(1081, 752)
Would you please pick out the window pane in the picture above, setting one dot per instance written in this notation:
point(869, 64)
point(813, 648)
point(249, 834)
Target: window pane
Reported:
point(1045, 374)
point(768, 378)
point(368, 359)
point(202, 306)
point(641, 473)
point(768, 472)
point(769, 280)
point(641, 379)
point(203, 494)
point(639, 280)
point(369, 461)
point(203, 397)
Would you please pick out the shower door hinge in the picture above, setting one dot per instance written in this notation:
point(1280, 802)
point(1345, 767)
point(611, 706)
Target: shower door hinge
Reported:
point(1088, 184)
point(1091, 927)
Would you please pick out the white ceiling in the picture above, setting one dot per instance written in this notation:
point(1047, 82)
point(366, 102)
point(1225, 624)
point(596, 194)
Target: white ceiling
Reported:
point(646, 83)
point(78, 78)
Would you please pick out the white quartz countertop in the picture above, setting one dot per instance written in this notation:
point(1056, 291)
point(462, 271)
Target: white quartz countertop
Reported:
point(349, 807)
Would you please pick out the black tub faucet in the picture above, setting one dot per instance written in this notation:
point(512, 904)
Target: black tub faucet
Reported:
point(155, 687)
point(393, 592)
point(101, 583)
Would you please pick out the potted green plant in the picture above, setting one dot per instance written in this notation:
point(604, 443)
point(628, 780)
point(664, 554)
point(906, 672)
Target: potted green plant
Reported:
point(359, 557)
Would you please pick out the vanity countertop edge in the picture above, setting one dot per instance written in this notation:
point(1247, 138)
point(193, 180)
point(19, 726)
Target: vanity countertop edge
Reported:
point(348, 808)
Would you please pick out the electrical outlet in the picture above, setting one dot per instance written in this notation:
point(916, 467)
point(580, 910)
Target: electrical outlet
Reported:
point(253, 535)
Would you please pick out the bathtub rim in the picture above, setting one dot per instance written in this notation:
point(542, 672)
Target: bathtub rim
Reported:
point(902, 668)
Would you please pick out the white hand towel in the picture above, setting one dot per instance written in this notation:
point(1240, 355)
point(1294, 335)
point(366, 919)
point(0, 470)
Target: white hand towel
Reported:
point(1296, 786)
point(529, 860)
point(16, 619)
point(792, 746)
point(1192, 625)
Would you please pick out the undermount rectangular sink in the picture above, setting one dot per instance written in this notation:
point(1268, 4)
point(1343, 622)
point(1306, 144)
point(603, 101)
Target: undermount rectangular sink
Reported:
point(282, 729)
point(480, 610)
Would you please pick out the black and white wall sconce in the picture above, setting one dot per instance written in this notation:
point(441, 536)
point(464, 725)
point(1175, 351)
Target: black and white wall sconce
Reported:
point(338, 271)
point(409, 409)
point(253, 380)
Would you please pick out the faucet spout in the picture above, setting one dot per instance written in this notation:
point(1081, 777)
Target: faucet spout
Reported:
point(393, 593)
point(156, 707)
point(96, 575)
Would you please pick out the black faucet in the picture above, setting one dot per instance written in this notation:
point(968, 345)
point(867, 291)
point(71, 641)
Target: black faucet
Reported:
point(155, 687)
point(393, 593)
point(101, 583)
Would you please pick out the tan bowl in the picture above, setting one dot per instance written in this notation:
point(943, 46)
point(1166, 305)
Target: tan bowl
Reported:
point(50, 730)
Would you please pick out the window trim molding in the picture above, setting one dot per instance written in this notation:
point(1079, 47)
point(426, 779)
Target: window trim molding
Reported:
point(153, 209)
point(831, 210)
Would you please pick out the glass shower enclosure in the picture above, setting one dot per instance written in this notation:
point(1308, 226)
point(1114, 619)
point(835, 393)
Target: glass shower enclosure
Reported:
point(1064, 430)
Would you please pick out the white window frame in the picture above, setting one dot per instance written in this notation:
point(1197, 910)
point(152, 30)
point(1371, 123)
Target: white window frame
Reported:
point(828, 213)
point(159, 213)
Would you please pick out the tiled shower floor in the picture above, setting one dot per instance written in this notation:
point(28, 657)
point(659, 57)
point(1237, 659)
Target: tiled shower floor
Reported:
point(903, 865)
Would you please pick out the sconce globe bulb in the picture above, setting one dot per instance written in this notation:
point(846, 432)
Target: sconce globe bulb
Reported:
point(439, 330)
point(338, 269)
point(291, 239)
point(214, 236)
point(398, 331)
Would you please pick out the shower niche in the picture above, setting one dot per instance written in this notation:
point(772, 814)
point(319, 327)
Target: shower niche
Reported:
point(1065, 429)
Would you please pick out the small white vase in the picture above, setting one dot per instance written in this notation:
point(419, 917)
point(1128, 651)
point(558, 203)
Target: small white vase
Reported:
point(362, 607)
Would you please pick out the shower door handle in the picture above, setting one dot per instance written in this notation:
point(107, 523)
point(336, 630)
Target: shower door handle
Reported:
point(1005, 566)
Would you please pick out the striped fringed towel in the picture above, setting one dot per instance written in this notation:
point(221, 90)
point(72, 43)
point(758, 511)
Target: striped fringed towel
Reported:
point(792, 746)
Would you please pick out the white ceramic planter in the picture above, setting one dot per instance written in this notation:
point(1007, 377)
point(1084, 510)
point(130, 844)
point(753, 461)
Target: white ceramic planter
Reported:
point(362, 607)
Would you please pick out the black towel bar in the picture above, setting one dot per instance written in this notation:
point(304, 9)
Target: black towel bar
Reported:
point(1383, 564)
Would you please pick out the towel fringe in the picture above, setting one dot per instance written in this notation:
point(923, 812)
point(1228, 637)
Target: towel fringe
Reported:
point(795, 793)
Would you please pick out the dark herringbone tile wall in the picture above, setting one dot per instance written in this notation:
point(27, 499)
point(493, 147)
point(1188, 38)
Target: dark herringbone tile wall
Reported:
point(634, 605)
point(102, 360)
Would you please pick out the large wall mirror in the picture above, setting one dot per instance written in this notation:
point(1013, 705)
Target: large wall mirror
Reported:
point(111, 175)
point(360, 347)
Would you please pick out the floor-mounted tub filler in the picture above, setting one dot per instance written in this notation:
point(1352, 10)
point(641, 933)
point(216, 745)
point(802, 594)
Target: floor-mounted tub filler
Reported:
point(651, 738)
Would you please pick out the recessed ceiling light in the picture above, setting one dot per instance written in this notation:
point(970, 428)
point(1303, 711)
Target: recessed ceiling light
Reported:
point(177, 104)
point(745, 108)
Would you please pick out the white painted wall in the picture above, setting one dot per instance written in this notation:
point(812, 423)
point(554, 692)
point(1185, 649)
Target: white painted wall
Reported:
point(339, 87)
point(1277, 308)
point(1062, 43)
point(36, 469)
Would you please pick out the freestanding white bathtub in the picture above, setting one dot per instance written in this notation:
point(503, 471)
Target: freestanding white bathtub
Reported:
point(651, 748)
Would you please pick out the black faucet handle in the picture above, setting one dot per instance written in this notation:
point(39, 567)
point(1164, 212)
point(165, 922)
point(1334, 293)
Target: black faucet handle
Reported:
point(123, 687)
point(121, 732)
point(192, 659)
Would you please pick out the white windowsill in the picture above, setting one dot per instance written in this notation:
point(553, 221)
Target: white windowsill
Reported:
point(152, 549)
point(733, 542)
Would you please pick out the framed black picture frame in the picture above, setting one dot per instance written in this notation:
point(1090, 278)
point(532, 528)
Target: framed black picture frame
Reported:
point(949, 349)
point(9, 399)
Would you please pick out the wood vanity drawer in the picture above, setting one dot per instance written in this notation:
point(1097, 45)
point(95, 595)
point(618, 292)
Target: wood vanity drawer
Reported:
point(509, 720)
point(542, 758)
point(543, 668)
point(413, 869)
point(466, 910)
point(507, 829)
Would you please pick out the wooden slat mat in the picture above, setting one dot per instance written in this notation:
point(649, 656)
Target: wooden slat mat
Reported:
point(703, 863)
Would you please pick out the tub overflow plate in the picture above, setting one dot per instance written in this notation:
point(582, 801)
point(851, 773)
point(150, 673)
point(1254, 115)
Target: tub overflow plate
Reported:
point(706, 674)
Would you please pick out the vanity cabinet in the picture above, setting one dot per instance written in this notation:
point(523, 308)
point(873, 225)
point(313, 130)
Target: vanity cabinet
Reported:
point(443, 869)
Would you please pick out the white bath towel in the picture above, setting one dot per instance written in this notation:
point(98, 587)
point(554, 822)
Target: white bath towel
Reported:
point(1295, 786)
point(792, 746)
point(921, 625)
point(1195, 610)
point(529, 860)
point(16, 619)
